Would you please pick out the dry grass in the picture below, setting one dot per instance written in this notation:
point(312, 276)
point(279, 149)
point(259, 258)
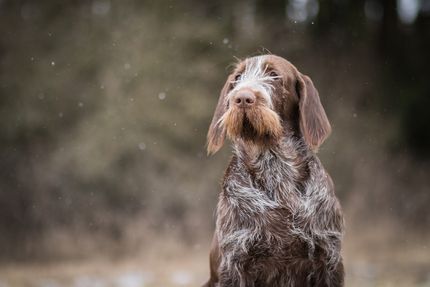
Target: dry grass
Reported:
point(373, 257)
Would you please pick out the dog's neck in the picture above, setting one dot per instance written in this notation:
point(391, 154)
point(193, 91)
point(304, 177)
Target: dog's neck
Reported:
point(289, 156)
point(287, 148)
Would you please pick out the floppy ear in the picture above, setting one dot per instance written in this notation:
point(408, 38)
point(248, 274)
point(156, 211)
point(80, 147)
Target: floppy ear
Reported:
point(313, 121)
point(216, 133)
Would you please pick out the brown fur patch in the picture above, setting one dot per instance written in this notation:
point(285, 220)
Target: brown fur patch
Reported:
point(254, 124)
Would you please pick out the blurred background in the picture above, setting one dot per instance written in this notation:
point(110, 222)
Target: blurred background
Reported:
point(104, 109)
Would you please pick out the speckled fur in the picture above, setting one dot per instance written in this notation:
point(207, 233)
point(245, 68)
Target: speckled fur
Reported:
point(279, 222)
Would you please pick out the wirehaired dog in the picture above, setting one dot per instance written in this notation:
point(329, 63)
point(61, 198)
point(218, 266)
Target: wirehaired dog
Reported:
point(279, 222)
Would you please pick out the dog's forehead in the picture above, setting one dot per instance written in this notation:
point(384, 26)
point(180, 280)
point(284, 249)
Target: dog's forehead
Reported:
point(264, 62)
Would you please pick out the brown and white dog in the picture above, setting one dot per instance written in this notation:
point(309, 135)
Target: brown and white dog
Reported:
point(279, 222)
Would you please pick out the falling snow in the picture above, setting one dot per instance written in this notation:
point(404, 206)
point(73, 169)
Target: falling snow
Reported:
point(142, 146)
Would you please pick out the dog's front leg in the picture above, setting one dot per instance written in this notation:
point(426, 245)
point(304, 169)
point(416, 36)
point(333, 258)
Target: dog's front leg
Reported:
point(214, 262)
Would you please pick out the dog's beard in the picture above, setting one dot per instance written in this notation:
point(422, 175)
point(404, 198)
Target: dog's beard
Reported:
point(256, 124)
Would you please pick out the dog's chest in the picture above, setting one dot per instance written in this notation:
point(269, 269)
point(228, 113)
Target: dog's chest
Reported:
point(259, 209)
point(268, 185)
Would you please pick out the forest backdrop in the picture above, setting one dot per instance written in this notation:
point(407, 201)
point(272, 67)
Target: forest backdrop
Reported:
point(104, 108)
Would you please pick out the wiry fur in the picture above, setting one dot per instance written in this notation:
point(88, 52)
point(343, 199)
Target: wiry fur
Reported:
point(254, 76)
point(262, 122)
point(278, 220)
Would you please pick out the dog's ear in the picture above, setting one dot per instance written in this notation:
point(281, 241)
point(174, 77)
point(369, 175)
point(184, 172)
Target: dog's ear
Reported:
point(313, 121)
point(216, 133)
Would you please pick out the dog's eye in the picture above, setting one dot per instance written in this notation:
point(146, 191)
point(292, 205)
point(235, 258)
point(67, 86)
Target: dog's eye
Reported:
point(237, 77)
point(273, 74)
point(236, 80)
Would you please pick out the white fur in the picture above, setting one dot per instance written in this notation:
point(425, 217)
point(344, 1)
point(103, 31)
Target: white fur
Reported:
point(254, 77)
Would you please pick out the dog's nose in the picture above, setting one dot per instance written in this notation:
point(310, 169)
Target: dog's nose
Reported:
point(244, 99)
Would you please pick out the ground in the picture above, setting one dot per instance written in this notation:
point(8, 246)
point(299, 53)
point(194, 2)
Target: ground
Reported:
point(367, 264)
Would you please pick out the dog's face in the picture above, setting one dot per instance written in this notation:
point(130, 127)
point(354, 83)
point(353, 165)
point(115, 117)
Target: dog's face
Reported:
point(264, 99)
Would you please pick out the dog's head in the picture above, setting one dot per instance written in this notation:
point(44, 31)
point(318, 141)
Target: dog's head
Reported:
point(265, 99)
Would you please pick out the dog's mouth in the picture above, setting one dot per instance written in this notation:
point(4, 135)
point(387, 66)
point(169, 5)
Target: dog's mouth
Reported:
point(256, 124)
point(248, 131)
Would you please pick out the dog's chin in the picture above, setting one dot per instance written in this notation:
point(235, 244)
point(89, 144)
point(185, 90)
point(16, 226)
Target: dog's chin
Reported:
point(259, 125)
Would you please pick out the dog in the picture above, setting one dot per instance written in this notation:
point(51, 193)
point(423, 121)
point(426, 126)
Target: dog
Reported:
point(279, 222)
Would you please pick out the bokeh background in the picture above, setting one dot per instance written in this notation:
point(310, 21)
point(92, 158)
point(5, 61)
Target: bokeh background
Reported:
point(104, 108)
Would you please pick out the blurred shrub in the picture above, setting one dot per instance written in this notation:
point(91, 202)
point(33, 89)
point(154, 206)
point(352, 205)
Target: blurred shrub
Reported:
point(104, 108)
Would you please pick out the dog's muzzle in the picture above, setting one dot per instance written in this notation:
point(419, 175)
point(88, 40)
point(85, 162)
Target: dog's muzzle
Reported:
point(244, 98)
